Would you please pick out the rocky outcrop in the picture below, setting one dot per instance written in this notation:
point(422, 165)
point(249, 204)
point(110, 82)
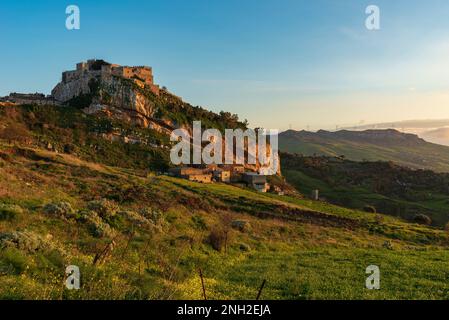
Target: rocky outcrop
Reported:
point(65, 91)
point(104, 90)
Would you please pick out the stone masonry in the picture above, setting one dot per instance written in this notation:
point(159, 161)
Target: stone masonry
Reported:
point(76, 82)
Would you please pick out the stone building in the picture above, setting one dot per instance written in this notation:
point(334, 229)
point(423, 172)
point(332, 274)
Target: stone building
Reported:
point(222, 175)
point(76, 82)
point(29, 98)
point(256, 181)
point(192, 174)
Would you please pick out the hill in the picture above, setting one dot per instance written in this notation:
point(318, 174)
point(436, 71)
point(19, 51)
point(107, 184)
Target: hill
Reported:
point(389, 188)
point(371, 145)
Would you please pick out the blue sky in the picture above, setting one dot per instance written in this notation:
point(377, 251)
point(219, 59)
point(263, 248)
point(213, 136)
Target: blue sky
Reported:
point(276, 63)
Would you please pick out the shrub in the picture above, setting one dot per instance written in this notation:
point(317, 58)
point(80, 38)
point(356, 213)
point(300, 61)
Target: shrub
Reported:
point(135, 218)
point(25, 240)
point(240, 225)
point(154, 215)
point(422, 219)
point(217, 238)
point(62, 209)
point(369, 209)
point(12, 261)
point(105, 208)
point(9, 212)
point(96, 226)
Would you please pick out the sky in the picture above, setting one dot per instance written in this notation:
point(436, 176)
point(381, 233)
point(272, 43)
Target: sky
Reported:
point(278, 63)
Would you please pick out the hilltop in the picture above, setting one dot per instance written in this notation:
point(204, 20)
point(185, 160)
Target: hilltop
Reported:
point(128, 94)
point(128, 97)
point(371, 145)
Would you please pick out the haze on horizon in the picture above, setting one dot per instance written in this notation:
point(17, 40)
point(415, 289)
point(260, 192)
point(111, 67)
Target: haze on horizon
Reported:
point(280, 64)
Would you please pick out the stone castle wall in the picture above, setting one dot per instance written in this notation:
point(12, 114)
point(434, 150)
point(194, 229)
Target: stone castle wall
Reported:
point(75, 82)
point(29, 98)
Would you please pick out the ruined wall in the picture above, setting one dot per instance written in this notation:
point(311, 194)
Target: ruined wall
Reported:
point(141, 75)
point(32, 98)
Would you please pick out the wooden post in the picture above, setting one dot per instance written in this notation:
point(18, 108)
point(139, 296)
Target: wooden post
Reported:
point(261, 288)
point(202, 284)
point(100, 257)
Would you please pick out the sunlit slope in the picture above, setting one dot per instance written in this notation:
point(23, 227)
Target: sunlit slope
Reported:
point(371, 145)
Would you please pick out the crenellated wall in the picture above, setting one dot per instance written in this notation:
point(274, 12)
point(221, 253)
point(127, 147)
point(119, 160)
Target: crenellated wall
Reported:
point(75, 82)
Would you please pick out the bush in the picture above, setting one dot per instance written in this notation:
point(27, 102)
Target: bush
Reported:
point(9, 211)
point(422, 219)
point(240, 225)
point(62, 209)
point(105, 208)
point(12, 261)
point(369, 209)
point(154, 215)
point(135, 218)
point(96, 226)
point(25, 240)
point(217, 238)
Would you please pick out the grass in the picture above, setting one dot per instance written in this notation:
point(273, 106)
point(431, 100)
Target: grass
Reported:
point(304, 249)
point(357, 188)
point(335, 273)
point(410, 152)
point(298, 260)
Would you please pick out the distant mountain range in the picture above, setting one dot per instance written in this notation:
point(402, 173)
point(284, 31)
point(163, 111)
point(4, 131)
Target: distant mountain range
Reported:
point(424, 124)
point(432, 130)
point(385, 145)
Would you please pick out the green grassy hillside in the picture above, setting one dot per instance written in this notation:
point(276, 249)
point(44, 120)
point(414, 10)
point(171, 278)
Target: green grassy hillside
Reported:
point(371, 145)
point(389, 188)
point(138, 235)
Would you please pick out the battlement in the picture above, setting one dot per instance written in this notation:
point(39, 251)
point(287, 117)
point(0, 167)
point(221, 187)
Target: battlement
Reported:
point(141, 75)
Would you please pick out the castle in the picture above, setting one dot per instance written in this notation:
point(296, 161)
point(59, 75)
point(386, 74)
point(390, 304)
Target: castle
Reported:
point(100, 69)
point(76, 82)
